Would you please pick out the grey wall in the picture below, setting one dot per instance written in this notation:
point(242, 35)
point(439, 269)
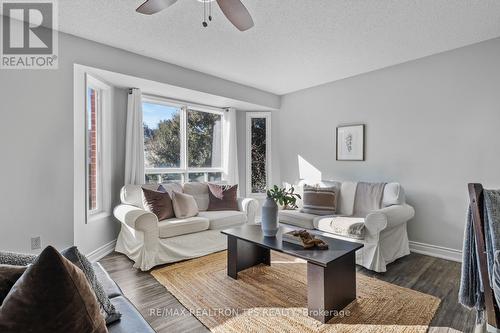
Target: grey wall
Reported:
point(431, 124)
point(36, 137)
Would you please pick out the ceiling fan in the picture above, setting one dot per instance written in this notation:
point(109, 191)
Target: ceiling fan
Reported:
point(234, 10)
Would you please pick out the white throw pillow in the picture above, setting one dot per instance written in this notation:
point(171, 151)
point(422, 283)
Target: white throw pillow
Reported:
point(184, 205)
point(200, 193)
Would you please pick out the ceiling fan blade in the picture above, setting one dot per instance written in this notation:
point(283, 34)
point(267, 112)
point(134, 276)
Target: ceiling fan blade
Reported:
point(151, 7)
point(237, 13)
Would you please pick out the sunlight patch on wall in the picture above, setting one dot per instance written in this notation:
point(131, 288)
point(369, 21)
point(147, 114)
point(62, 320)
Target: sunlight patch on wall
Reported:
point(307, 171)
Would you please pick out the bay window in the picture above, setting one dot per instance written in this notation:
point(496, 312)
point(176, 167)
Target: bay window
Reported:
point(182, 143)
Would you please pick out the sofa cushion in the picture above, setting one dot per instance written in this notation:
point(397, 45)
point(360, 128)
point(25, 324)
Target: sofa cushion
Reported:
point(132, 194)
point(319, 200)
point(131, 321)
point(222, 197)
point(200, 193)
point(110, 287)
point(352, 227)
point(297, 218)
point(16, 259)
point(224, 219)
point(178, 226)
point(40, 300)
point(394, 194)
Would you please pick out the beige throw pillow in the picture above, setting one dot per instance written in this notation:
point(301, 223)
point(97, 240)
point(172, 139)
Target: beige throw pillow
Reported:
point(320, 200)
point(184, 205)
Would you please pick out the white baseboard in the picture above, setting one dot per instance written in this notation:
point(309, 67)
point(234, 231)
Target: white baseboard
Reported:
point(417, 247)
point(102, 251)
point(436, 251)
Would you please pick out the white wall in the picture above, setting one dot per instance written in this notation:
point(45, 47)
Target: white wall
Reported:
point(36, 137)
point(431, 124)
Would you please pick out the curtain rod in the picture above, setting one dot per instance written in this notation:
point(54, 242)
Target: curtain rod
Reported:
point(186, 103)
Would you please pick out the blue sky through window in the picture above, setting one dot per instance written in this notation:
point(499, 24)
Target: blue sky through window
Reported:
point(152, 113)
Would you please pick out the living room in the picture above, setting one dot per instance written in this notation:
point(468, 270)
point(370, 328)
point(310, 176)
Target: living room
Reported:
point(249, 166)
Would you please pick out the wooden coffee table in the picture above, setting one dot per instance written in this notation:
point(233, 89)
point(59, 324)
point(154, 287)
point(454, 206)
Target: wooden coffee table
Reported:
point(331, 274)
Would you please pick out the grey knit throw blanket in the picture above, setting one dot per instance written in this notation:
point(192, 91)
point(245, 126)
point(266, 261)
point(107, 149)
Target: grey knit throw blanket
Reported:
point(471, 293)
point(368, 198)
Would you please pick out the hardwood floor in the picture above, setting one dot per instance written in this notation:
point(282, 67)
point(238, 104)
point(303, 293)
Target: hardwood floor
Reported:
point(430, 275)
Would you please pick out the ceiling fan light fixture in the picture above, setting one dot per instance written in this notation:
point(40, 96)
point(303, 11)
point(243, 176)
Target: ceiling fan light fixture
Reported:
point(234, 10)
point(206, 3)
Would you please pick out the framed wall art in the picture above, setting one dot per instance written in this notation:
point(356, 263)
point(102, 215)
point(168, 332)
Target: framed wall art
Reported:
point(351, 143)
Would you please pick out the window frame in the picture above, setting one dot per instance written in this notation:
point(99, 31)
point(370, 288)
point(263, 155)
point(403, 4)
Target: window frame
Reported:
point(248, 174)
point(184, 170)
point(103, 96)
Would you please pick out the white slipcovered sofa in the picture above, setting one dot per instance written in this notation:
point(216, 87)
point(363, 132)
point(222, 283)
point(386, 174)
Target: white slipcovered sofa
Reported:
point(149, 242)
point(383, 232)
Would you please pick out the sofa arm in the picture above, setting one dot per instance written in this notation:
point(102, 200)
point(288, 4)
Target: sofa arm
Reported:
point(138, 219)
point(250, 207)
point(389, 217)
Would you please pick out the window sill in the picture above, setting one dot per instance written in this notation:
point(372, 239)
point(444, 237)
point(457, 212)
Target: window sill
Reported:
point(92, 217)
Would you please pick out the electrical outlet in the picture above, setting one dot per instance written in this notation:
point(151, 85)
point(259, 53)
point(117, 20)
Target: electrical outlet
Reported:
point(36, 243)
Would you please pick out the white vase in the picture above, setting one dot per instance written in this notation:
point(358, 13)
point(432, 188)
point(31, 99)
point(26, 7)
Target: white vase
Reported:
point(269, 218)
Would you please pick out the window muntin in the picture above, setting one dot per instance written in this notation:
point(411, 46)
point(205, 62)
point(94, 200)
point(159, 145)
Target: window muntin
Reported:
point(181, 143)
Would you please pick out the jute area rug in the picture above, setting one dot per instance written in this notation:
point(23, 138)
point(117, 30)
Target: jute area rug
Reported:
point(274, 299)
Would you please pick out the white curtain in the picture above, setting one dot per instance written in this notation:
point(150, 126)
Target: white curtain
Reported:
point(230, 148)
point(134, 141)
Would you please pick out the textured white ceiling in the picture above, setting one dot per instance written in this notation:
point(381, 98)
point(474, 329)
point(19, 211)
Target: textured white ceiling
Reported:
point(295, 44)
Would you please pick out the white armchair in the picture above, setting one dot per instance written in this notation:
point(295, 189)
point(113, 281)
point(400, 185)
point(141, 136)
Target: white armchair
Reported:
point(382, 232)
point(386, 238)
point(149, 242)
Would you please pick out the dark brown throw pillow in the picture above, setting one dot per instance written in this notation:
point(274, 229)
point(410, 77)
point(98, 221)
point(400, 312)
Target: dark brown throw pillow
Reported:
point(158, 203)
point(52, 296)
point(222, 197)
point(8, 276)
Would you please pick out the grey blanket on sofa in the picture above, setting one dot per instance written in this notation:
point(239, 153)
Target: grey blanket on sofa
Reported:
point(471, 293)
point(368, 198)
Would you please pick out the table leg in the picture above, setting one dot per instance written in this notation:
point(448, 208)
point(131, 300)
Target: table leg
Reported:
point(331, 288)
point(242, 255)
